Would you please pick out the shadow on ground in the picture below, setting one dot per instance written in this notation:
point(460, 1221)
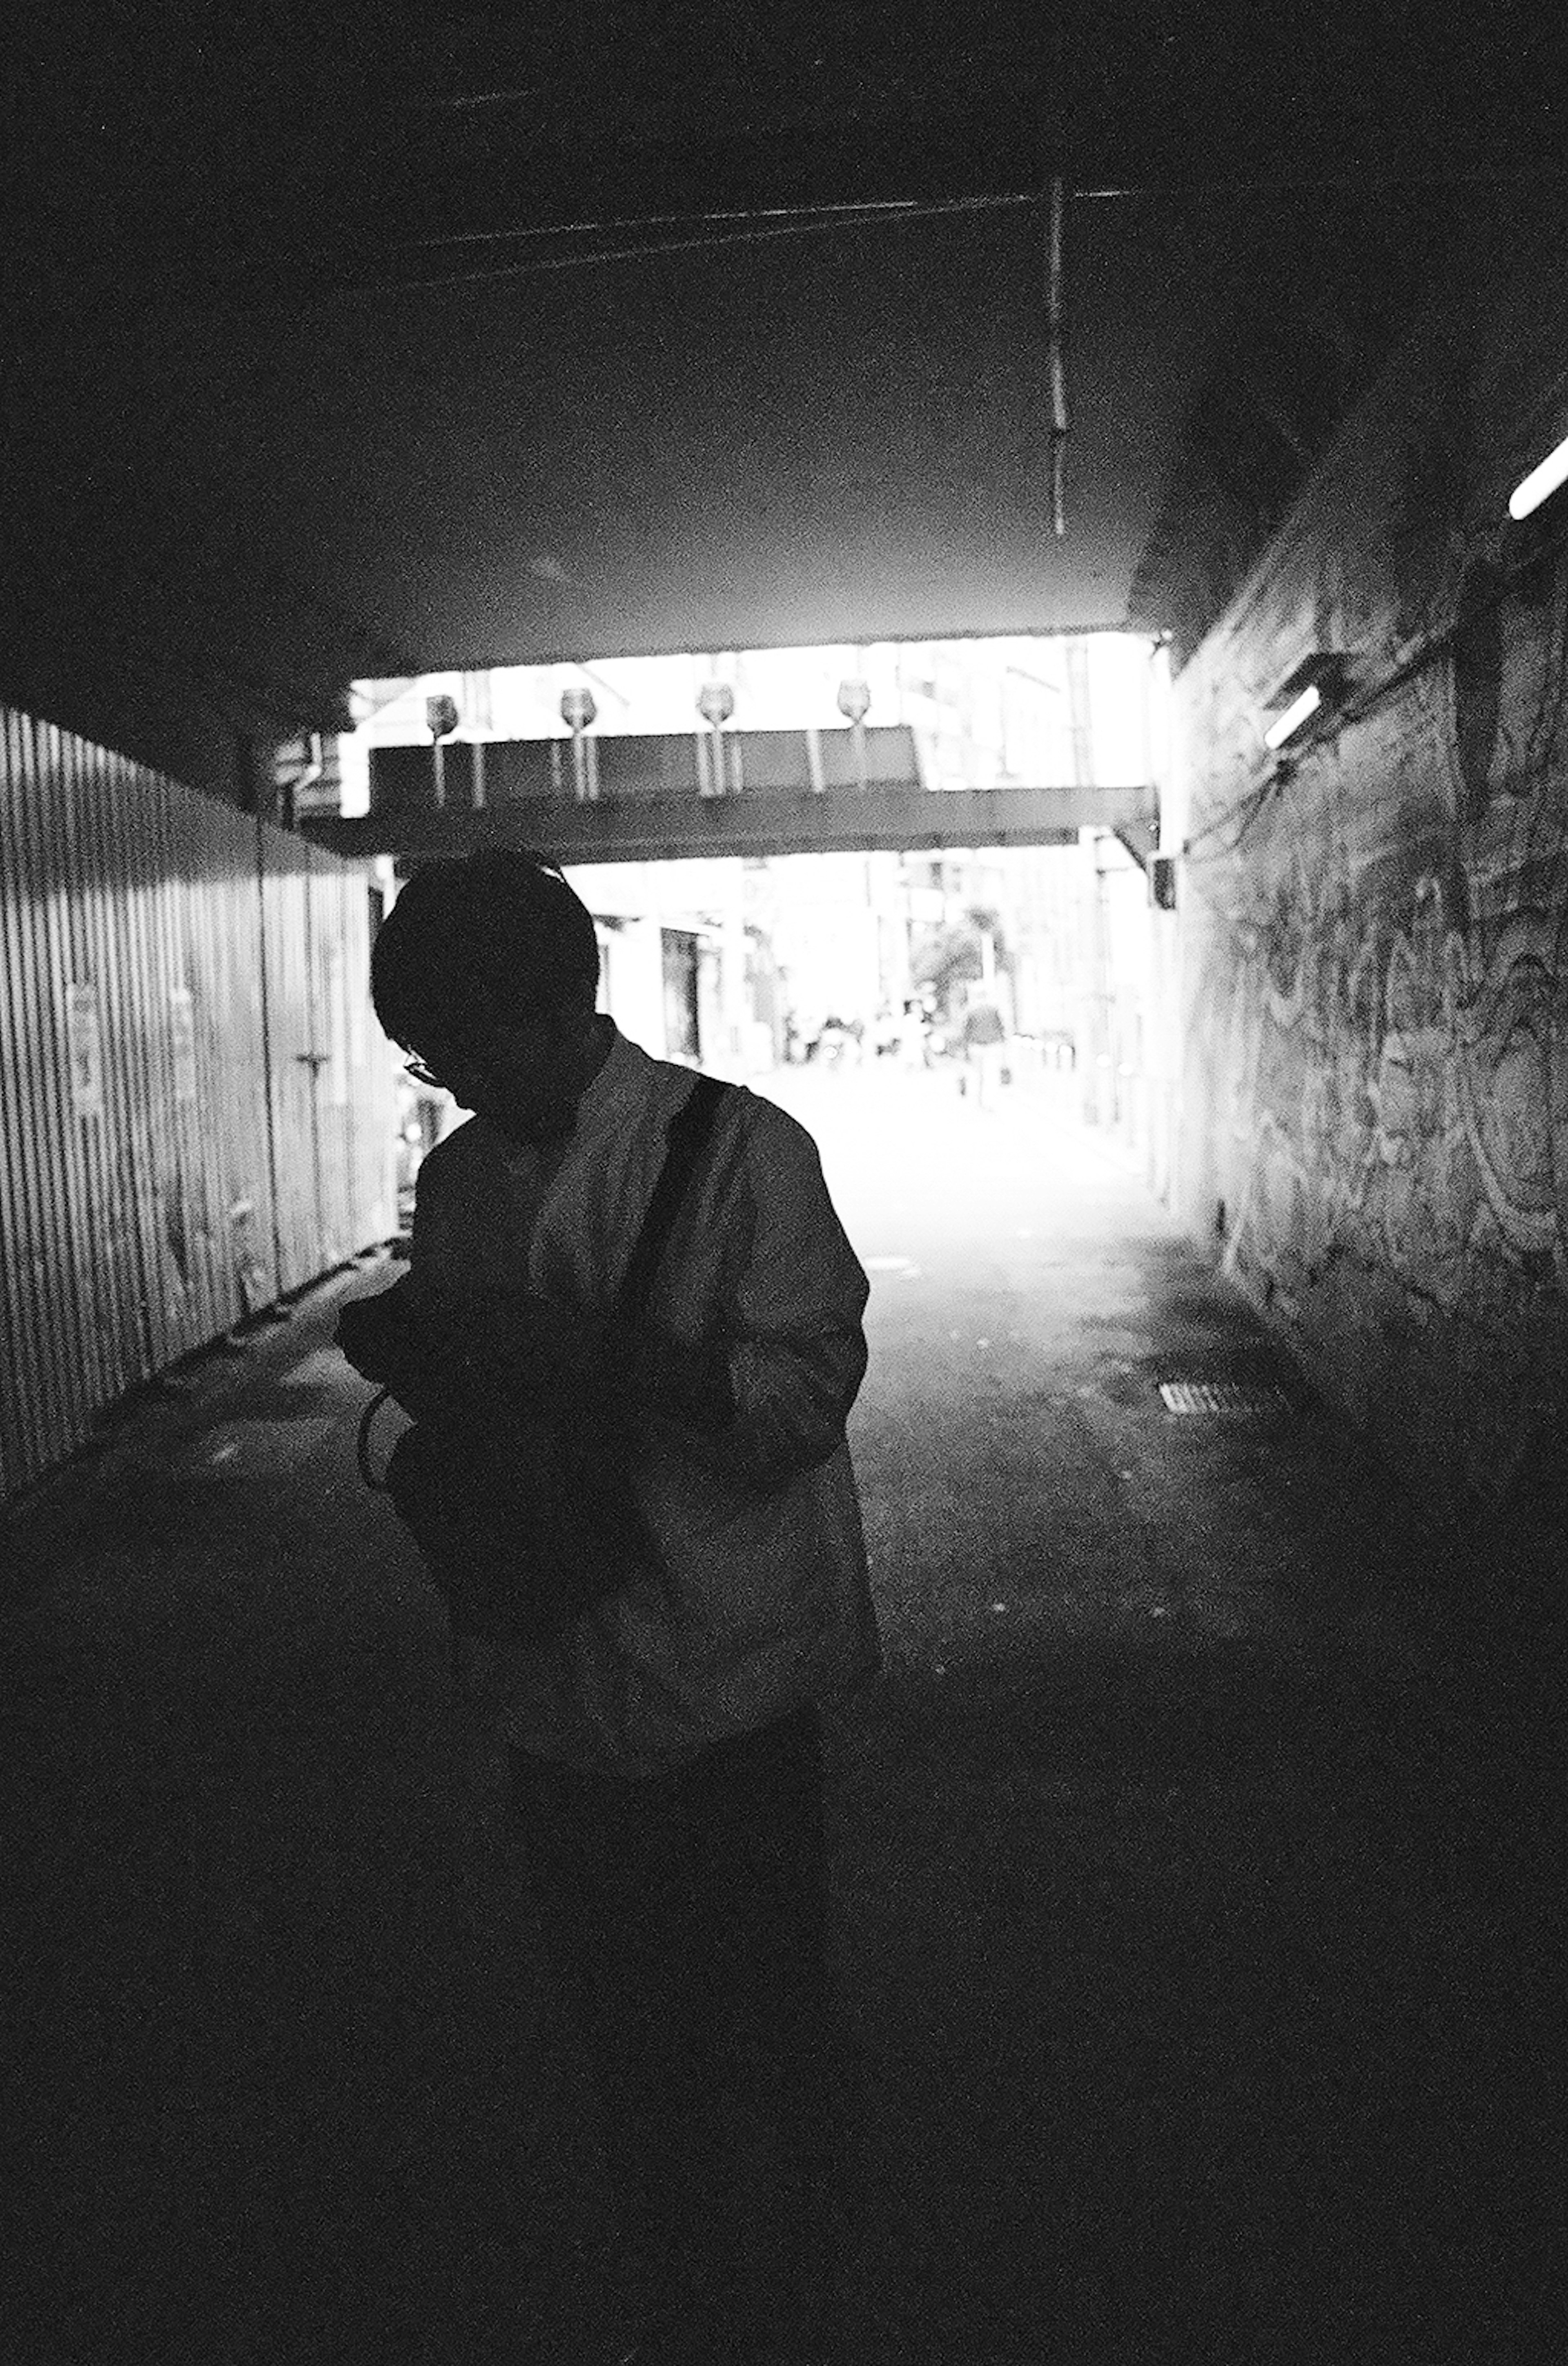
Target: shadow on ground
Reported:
point(1200, 1975)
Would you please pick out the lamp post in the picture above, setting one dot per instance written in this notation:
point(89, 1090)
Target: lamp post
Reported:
point(578, 709)
point(440, 721)
point(854, 705)
point(716, 704)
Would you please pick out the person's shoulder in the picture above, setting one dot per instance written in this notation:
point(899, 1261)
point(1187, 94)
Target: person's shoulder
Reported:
point(768, 1130)
point(469, 1146)
point(639, 1080)
point(775, 1134)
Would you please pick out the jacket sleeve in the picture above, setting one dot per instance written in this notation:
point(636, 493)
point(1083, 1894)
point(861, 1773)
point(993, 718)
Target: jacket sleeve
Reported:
point(796, 1352)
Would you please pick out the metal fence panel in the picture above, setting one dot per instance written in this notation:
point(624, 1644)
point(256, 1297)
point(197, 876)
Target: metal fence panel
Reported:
point(334, 1115)
point(47, 1063)
point(97, 1189)
point(353, 1072)
point(224, 976)
point(196, 1116)
point(293, 1054)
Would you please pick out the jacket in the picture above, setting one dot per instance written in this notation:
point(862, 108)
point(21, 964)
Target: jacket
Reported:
point(764, 1601)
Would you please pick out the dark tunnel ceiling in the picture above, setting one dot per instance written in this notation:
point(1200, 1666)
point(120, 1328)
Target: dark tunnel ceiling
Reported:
point(285, 409)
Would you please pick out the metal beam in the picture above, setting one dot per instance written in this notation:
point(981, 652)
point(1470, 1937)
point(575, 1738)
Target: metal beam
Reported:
point(651, 829)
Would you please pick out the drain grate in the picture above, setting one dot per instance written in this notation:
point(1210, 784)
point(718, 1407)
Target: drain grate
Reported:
point(1228, 1397)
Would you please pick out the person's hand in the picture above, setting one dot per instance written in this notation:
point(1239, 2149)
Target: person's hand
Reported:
point(543, 1358)
point(515, 1338)
point(390, 1339)
point(373, 1333)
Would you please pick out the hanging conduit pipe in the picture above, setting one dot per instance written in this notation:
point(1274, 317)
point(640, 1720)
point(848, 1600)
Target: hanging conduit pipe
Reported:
point(1056, 322)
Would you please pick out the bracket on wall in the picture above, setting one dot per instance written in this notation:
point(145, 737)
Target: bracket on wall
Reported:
point(1324, 671)
point(1140, 837)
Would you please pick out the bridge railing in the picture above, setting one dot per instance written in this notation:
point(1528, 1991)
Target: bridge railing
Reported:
point(497, 774)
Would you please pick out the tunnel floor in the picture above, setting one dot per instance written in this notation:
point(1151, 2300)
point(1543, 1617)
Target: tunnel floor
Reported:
point(1195, 1912)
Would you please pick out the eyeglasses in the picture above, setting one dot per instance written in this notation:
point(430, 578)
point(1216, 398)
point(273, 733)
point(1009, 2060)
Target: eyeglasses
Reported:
point(465, 1065)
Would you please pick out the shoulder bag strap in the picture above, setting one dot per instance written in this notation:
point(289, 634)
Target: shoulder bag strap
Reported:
point(689, 1131)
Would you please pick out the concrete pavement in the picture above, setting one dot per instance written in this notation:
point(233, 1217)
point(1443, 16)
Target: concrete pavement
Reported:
point(1196, 1933)
point(1201, 1945)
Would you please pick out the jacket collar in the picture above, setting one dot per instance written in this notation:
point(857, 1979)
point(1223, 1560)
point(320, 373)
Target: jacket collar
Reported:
point(620, 1094)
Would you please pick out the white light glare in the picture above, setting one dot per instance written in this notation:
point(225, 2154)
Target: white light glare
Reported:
point(1541, 483)
point(1294, 715)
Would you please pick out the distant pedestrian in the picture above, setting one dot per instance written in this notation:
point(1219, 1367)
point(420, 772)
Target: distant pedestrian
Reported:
point(666, 1748)
point(985, 1043)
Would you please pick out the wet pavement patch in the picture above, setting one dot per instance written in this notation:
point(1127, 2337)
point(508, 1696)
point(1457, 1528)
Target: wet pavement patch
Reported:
point(254, 1448)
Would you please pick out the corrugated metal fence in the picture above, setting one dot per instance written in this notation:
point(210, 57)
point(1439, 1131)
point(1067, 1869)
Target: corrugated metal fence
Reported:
point(195, 1107)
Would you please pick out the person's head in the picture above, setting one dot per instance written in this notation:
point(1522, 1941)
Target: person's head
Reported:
point(486, 970)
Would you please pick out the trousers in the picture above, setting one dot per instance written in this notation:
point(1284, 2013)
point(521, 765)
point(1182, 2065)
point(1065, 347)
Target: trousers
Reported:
point(686, 1917)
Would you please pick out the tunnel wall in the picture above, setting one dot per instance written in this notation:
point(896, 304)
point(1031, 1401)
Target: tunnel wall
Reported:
point(194, 1119)
point(1374, 939)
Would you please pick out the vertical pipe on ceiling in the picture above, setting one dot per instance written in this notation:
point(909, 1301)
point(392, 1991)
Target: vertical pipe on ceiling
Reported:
point(1055, 314)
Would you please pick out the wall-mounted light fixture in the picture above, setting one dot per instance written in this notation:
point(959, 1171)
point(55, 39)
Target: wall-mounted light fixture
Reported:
point(1541, 482)
point(1314, 687)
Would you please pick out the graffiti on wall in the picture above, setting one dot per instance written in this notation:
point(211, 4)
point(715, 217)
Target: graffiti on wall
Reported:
point(1385, 977)
point(1405, 1090)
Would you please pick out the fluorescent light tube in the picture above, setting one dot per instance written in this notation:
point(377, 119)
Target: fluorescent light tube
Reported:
point(1541, 482)
point(1294, 715)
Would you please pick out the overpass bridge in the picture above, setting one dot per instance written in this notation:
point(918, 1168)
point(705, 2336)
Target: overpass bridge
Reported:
point(642, 798)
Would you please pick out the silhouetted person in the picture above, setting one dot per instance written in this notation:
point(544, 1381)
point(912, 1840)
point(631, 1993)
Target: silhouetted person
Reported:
point(985, 1046)
point(666, 1753)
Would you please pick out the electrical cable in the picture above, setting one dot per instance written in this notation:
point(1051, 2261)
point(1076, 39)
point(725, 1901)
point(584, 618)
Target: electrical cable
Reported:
point(718, 228)
point(849, 217)
point(1441, 643)
point(1248, 808)
point(814, 214)
point(1356, 709)
point(806, 216)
